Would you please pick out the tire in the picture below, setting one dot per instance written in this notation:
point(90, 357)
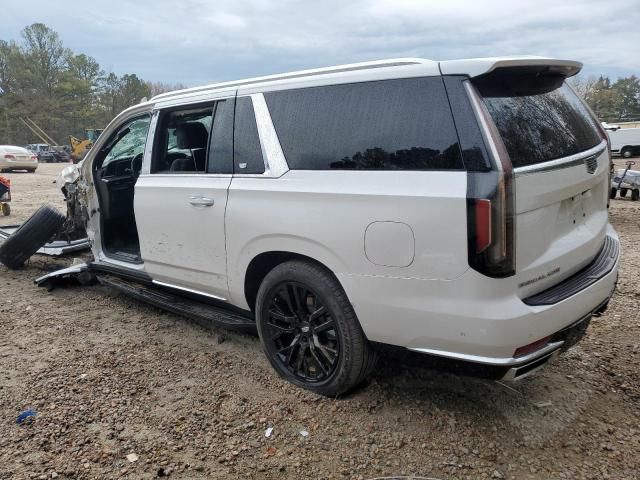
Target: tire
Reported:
point(635, 195)
point(6, 209)
point(31, 170)
point(328, 361)
point(31, 235)
point(623, 192)
point(612, 193)
point(626, 152)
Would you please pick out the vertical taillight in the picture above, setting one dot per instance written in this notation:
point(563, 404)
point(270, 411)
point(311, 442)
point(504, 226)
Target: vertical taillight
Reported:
point(482, 211)
point(491, 204)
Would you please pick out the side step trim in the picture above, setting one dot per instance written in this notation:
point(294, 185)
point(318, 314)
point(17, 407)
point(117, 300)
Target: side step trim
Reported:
point(204, 314)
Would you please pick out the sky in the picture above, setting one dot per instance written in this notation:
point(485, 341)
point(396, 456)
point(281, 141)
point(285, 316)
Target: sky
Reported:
point(196, 42)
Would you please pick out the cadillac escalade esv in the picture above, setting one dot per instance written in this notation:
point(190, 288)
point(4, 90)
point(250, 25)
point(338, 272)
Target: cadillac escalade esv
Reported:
point(454, 208)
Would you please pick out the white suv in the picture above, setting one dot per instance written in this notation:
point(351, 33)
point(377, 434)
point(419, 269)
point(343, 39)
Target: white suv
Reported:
point(454, 208)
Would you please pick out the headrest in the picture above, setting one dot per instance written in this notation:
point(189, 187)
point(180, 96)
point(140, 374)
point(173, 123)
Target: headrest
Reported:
point(191, 135)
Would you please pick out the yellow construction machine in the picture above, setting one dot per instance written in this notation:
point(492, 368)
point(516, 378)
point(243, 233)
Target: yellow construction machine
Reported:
point(79, 148)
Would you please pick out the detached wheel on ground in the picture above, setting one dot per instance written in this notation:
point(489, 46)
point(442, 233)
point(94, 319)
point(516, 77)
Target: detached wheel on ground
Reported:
point(31, 235)
point(309, 331)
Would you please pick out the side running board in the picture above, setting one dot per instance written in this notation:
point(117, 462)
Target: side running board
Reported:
point(138, 285)
point(202, 313)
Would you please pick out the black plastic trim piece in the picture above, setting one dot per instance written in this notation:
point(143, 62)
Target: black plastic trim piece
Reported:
point(203, 314)
point(598, 268)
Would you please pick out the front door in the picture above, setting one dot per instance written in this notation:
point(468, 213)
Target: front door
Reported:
point(180, 202)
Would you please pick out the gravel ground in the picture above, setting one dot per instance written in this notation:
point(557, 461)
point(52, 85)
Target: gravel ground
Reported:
point(110, 377)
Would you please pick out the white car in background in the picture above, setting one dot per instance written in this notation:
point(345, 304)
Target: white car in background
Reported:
point(454, 208)
point(17, 158)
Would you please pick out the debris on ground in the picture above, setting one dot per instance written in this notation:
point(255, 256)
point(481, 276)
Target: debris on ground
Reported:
point(132, 457)
point(26, 417)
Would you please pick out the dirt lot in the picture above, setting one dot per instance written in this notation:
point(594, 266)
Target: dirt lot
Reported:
point(109, 376)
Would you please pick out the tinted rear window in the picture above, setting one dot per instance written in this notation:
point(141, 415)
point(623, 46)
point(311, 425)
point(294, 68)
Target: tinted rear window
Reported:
point(385, 125)
point(247, 156)
point(540, 127)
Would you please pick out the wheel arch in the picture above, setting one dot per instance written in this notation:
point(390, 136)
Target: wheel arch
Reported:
point(264, 262)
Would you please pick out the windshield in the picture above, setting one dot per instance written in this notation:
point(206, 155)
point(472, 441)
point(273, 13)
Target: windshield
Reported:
point(131, 143)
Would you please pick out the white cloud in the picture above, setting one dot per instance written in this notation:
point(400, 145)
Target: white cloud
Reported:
point(199, 41)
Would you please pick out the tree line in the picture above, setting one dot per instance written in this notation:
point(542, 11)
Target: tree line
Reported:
point(63, 92)
point(612, 102)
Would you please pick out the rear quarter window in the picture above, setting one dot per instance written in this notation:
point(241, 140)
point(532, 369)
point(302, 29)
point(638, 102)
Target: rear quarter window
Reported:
point(401, 124)
point(540, 127)
point(247, 156)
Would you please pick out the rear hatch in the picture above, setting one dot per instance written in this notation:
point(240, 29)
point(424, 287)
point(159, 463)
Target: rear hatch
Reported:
point(560, 166)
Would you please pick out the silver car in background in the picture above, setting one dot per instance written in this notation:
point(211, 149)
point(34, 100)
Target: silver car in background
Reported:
point(17, 158)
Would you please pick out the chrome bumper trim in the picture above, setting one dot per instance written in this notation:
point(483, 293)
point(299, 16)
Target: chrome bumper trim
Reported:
point(495, 361)
point(512, 373)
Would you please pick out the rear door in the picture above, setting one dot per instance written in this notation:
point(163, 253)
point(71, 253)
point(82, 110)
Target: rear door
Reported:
point(561, 170)
point(180, 204)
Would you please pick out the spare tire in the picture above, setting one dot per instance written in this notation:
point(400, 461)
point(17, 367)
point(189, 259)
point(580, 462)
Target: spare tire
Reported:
point(31, 235)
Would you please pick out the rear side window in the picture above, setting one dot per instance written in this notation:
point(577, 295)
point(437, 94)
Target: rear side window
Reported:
point(247, 153)
point(539, 126)
point(221, 144)
point(401, 124)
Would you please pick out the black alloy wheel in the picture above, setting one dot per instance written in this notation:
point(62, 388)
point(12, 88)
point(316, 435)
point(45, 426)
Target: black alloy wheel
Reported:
point(302, 332)
point(309, 330)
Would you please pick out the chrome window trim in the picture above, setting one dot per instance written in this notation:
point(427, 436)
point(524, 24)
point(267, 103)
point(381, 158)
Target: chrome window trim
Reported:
point(565, 162)
point(275, 165)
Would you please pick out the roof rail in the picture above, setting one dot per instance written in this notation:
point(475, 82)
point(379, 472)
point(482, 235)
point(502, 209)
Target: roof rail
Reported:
point(394, 62)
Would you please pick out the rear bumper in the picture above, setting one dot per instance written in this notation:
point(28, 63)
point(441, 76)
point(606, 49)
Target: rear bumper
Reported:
point(560, 341)
point(473, 318)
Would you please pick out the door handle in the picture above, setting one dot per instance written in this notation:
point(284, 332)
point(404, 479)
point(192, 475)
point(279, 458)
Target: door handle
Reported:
point(200, 201)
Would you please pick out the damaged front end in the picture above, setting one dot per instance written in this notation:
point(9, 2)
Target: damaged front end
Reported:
point(72, 237)
point(74, 189)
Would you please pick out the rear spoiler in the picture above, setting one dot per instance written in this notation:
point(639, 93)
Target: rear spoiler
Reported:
point(479, 66)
